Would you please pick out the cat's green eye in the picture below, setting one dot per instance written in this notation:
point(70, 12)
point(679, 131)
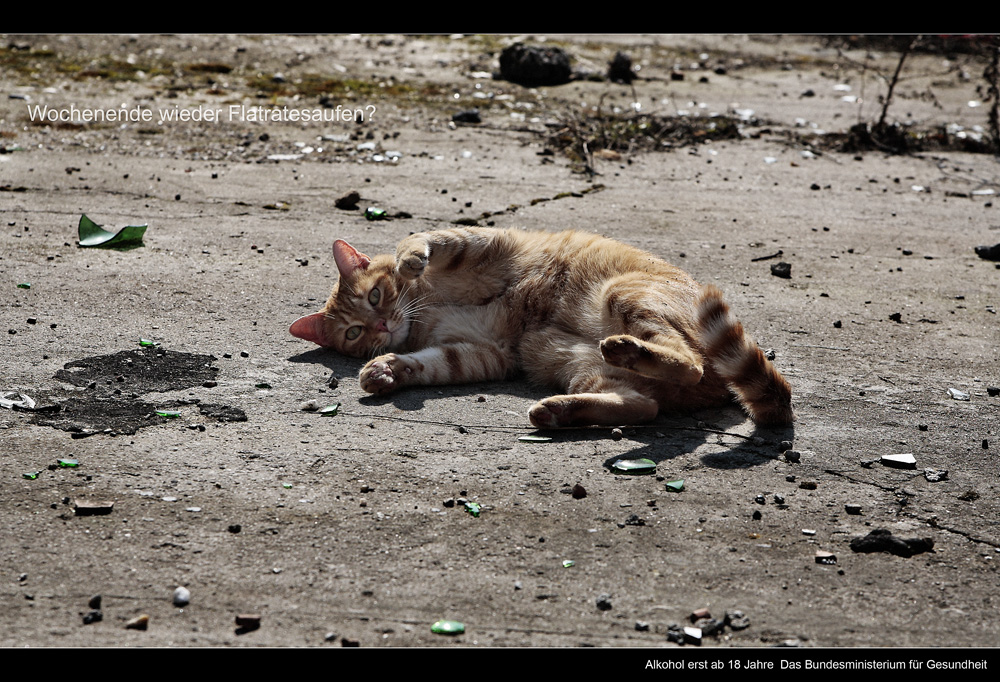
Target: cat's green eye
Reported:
point(353, 333)
point(374, 296)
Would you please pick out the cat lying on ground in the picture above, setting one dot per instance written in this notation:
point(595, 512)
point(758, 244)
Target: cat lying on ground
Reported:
point(620, 333)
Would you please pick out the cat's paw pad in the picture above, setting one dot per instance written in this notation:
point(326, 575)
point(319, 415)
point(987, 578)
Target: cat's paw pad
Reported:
point(549, 414)
point(411, 264)
point(378, 375)
point(623, 351)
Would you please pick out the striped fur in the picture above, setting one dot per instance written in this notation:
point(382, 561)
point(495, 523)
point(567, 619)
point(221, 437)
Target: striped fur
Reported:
point(620, 333)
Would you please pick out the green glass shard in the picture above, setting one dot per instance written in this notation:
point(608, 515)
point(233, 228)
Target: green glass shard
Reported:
point(635, 467)
point(68, 463)
point(448, 627)
point(534, 439)
point(375, 213)
point(24, 285)
point(569, 563)
point(31, 475)
point(286, 485)
point(329, 410)
point(262, 385)
point(93, 235)
point(148, 343)
point(167, 414)
point(473, 508)
point(675, 486)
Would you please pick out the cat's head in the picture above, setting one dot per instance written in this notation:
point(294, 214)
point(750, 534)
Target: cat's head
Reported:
point(364, 315)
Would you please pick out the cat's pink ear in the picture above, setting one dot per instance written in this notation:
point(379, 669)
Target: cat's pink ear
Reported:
point(310, 328)
point(348, 258)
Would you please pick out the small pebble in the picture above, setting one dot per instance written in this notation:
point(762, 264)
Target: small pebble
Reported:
point(182, 597)
point(604, 602)
point(853, 509)
point(935, 475)
point(140, 622)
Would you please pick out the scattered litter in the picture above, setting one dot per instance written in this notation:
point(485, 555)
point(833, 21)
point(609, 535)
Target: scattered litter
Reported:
point(534, 439)
point(634, 467)
point(168, 414)
point(882, 540)
point(93, 235)
point(329, 410)
point(247, 622)
point(140, 622)
point(148, 343)
point(737, 620)
point(825, 558)
point(935, 475)
point(262, 385)
point(24, 285)
point(92, 508)
point(25, 402)
point(568, 563)
point(448, 627)
point(692, 635)
point(473, 508)
point(372, 213)
point(957, 394)
point(68, 463)
point(675, 486)
point(31, 475)
point(698, 614)
point(808, 531)
point(182, 597)
point(902, 461)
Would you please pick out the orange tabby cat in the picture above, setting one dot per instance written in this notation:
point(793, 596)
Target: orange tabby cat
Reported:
point(621, 333)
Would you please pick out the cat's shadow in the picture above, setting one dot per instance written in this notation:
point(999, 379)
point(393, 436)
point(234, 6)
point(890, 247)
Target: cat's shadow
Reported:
point(667, 438)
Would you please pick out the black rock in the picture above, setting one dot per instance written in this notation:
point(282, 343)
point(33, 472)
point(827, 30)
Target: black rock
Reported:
point(782, 269)
point(94, 616)
point(95, 602)
point(470, 116)
point(604, 602)
point(993, 391)
point(532, 66)
point(882, 540)
point(710, 626)
point(348, 202)
point(989, 252)
point(620, 69)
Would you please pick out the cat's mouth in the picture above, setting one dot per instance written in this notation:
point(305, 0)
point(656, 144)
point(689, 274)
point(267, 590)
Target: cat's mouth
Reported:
point(395, 333)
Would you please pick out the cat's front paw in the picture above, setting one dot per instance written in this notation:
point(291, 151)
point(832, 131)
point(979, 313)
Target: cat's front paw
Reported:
point(380, 375)
point(411, 259)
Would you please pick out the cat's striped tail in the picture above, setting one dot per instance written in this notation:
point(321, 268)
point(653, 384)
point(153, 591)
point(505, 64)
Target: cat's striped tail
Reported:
point(759, 387)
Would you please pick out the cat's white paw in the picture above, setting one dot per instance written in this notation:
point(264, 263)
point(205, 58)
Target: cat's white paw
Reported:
point(378, 375)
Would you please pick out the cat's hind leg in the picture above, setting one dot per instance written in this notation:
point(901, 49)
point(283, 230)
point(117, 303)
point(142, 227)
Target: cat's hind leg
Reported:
point(668, 358)
point(644, 340)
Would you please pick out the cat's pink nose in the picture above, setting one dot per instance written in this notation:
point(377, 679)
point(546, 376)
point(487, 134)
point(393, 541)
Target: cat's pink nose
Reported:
point(381, 326)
